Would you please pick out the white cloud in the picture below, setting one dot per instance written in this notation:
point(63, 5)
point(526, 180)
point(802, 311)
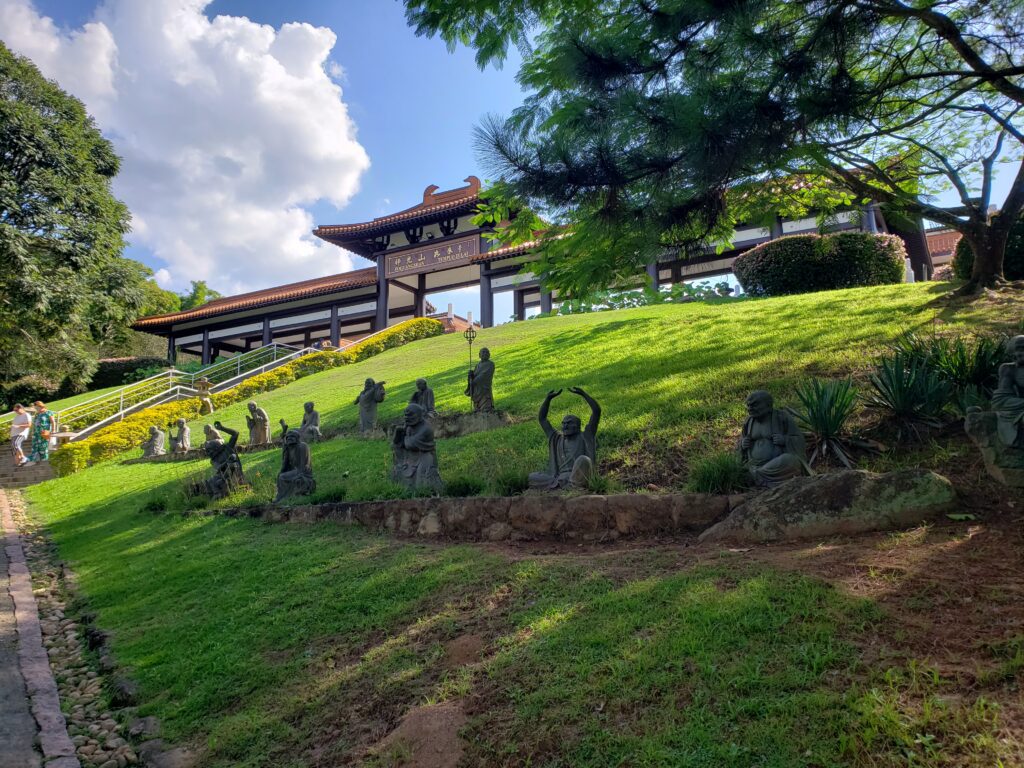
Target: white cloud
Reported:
point(227, 129)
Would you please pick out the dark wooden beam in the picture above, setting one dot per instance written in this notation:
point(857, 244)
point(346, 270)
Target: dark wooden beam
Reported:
point(486, 301)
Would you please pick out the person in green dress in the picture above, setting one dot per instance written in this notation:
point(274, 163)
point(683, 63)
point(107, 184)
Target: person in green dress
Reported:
point(42, 428)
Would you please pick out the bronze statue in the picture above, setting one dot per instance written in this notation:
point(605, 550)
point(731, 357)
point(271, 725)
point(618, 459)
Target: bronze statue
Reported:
point(368, 399)
point(259, 425)
point(154, 446)
point(296, 475)
point(224, 458)
point(771, 444)
point(572, 453)
point(481, 379)
point(205, 399)
point(182, 442)
point(423, 396)
point(415, 452)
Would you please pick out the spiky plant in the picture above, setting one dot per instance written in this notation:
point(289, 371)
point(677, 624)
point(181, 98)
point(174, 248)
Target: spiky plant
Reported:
point(827, 406)
point(911, 390)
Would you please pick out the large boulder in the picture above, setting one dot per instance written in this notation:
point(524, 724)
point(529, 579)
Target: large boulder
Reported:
point(837, 503)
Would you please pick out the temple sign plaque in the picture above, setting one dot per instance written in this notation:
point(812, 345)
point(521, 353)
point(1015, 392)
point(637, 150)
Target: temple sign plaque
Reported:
point(432, 256)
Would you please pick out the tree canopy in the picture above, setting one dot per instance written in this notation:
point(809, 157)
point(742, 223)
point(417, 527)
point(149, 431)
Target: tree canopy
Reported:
point(199, 294)
point(663, 123)
point(64, 287)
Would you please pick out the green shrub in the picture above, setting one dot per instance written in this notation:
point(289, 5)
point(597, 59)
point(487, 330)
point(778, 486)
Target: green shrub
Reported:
point(805, 263)
point(721, 472)
point(330, 495)
point(463, 486)
point(510, 483)
point(1013, 259)
point(122, 370)
point(911, 391)
point(827, 405)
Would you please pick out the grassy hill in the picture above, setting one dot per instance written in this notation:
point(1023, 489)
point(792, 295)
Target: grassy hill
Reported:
point(295, 646)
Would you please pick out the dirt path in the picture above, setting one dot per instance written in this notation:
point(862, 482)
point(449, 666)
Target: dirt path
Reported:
point(17, 727)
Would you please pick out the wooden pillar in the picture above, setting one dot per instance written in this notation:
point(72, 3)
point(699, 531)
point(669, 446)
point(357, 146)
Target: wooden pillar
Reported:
point(335, 332)
point(268, 338)
point(172, 351)
point(518, 301)
point(486, 300)
point(652, 274)
point(776, 231)
point(307, 338)
point(206, 347)
point(420, 306)
point(382, 295)
point(545, 301)
point(868, 223)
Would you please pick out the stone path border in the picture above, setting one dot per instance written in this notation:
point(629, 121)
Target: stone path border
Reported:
point(58, 751)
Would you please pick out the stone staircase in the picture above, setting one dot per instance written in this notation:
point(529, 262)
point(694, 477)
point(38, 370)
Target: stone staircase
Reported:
point(19, 477)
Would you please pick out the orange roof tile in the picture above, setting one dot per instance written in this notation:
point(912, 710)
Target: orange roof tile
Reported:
point(304, 289)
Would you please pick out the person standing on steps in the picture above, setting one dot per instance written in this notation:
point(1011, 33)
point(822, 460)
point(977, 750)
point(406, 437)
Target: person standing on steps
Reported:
point(42, 428)
point(20, 427)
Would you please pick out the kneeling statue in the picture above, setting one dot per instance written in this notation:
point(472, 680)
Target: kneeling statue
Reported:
point(572, 453)
point(155, 445)
point(296, 475)
point(224, 458)
point(771, 444)
point(182, 442)
point(999, 433)
point(415, 452)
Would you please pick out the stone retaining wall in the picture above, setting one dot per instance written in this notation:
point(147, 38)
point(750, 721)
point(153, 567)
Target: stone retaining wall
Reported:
point(529, 517)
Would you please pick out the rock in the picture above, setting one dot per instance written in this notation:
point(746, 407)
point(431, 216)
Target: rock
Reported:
point(144, 728)
point(837, 503)
point(429, 525)
point(497, 531)
point(587, 514)
point(1003, 462)
point(110, 764)
point(537, 515)
point(637, 514)
point(123, 692)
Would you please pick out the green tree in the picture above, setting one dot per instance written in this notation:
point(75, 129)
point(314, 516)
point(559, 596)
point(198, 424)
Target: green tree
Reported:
point(199, 295)
point(660, 123)
point(158, 301)
point(64, 287)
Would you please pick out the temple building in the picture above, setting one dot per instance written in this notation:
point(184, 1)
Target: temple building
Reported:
point(431, 247)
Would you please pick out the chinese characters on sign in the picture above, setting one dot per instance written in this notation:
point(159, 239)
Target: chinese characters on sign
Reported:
point(428, 258)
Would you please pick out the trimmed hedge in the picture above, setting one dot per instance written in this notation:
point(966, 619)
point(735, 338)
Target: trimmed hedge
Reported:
point(806, 263)
point(134, 429)
point(1013, 259)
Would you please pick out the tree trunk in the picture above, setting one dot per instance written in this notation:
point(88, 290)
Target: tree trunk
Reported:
point(989, 246)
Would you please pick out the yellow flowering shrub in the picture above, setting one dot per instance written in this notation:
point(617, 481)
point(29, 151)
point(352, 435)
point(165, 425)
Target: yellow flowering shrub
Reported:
point(133, 430)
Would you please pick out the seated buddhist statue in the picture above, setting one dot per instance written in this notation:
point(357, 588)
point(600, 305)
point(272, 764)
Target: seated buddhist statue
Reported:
point(296, 475)
point(182, 442)
point(771, 444)
point(154, 446)
point(423, 396)
point(309, 430)
point(999, 433)
point(415, 452)
point(572, 453)
point(224, 459)
point(367, 400)
point(259, 425)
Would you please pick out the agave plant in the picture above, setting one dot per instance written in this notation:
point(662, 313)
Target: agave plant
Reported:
point(827, 405)
point(911, 390)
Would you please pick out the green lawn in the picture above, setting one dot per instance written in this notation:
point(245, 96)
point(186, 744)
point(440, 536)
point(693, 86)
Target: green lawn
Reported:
point(278, 645)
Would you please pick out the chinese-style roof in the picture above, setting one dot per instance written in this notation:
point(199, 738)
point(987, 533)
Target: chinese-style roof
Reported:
point(318, 286)
point(505, 252)
point(434, 207)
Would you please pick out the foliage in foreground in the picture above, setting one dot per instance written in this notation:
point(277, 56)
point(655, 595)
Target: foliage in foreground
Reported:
point(826, 407)
point(910, 391)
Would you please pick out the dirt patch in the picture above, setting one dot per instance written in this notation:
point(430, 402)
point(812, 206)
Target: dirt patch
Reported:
point(463, 650)
point(427, 737)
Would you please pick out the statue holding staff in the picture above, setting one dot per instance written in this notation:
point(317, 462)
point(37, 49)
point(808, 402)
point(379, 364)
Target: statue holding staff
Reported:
point(481, 380)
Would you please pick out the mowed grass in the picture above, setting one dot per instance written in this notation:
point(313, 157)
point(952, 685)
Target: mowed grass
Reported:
point(275, 645)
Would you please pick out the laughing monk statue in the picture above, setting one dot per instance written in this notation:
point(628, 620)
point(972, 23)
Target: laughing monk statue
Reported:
point(771, 444)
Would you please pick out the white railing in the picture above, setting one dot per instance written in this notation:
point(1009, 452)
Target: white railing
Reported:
point(86, 417)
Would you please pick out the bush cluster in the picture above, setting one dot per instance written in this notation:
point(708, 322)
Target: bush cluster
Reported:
point(1013, 259)
point(133, 430)
point(121, 370)
point(805, 263)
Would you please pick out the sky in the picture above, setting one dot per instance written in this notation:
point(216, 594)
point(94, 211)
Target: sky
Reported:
point(243, 124)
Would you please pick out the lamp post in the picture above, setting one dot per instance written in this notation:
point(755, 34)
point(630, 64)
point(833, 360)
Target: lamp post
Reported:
point(469, 334)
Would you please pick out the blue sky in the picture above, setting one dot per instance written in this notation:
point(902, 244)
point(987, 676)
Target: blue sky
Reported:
point(413, 103)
